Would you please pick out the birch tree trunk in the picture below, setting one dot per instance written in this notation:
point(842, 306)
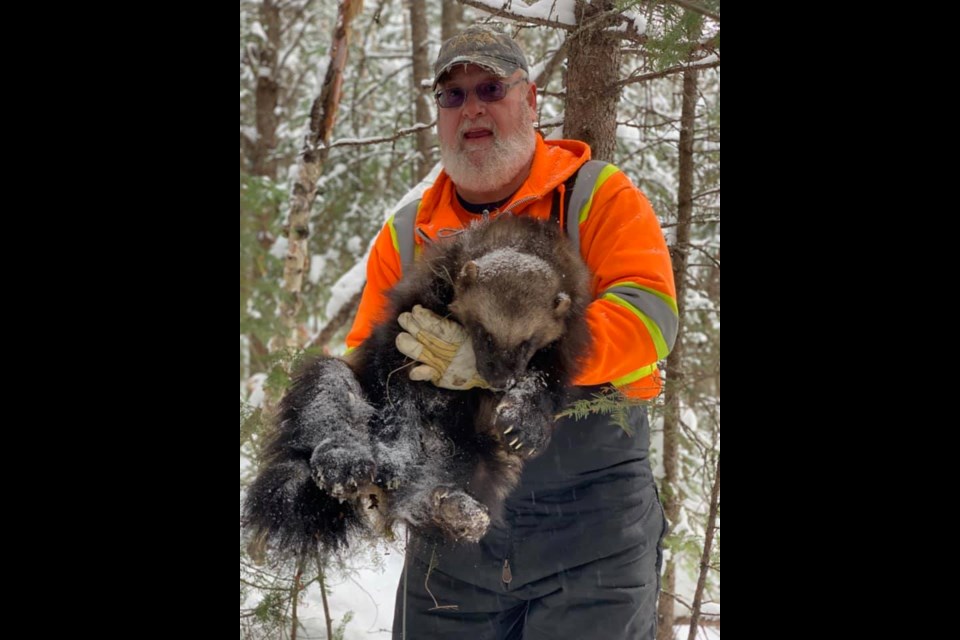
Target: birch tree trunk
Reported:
point(323, 116)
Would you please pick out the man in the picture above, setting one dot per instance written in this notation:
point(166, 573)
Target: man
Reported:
point(579, 553)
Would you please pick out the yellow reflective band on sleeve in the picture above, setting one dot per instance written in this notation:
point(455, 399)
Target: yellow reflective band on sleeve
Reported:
point(608, 171)
point(658, 342)
point(393, 234)
point(642, 372)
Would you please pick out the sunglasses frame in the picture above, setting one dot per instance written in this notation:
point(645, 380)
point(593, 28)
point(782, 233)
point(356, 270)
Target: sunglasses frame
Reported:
point(466, 92)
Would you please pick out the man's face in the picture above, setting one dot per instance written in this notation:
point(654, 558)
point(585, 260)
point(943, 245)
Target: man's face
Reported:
point(485, 144)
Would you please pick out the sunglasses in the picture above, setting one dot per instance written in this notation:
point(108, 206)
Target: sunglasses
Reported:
point(491, 91)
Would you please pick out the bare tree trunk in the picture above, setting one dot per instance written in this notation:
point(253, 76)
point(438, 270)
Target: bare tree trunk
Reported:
point(451, 18)
point(263, 161)
point(420, 38)
point(672, 497)
point(590, 113)
point(323, 116)
point(705, 558)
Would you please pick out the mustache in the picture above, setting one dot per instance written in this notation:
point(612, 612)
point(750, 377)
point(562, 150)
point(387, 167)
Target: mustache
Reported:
point(476, 124)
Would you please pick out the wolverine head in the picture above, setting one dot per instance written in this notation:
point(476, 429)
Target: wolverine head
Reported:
point(513, 304)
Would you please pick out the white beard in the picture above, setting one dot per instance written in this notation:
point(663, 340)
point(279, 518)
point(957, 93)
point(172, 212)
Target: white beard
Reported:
point(491, 169)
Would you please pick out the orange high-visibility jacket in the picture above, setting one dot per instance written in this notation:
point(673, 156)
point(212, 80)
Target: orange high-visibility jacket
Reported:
point(633, 320)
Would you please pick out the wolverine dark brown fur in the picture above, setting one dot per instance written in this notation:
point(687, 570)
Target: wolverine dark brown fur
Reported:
point(367, 438)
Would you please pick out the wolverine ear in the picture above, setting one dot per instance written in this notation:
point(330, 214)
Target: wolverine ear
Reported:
point(469, 273)
point(561, 304)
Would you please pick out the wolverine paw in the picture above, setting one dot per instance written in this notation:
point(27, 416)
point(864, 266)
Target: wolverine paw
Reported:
point(343, 471)
point(524, 429)
point(523, 424)
point(459, 515)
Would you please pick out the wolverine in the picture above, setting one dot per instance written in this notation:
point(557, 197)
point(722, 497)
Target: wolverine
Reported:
point(362, 442)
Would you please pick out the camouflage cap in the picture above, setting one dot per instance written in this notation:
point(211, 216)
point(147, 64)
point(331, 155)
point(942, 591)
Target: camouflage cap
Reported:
point(494, 51)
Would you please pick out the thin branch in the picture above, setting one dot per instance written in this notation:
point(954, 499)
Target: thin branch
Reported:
point(709, 256)
point(379, 85)
point(293, 45)
point(354, 142)
point(555, 60)
point(712, 621)
point(503, 12)
point(373, 601)
point(295, 596)
point(667, 72)
point(695, 219)
point(704, 194)
point(296, 16)
point(263, 587)
point(323, 594)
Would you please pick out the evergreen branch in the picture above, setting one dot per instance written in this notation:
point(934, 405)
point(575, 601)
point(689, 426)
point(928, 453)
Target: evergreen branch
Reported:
point(696, 8)
point(612, 403)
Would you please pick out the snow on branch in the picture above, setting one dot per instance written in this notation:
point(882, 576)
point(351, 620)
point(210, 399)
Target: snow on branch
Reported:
point(346, 142)
point(548, 13)
point(710, 62)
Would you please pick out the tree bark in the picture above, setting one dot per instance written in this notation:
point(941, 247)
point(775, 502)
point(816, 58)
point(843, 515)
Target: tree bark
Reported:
point(590, 112)
point(420, 41)
point(451, 19)
point(263, 160)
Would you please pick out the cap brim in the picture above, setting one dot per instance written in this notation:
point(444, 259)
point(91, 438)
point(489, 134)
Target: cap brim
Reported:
point(493, 65)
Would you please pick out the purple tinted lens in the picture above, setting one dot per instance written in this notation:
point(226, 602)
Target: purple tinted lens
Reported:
point(451, 97)
point(486, 92)
point(491, 91)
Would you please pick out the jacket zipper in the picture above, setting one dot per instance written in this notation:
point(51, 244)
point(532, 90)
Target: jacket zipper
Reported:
point(518, 203)
point(506, 576)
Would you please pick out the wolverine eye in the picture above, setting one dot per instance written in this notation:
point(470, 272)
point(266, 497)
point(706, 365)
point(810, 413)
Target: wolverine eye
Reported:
point(484, 338)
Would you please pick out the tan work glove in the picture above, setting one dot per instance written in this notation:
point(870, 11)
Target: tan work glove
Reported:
point(443, 347)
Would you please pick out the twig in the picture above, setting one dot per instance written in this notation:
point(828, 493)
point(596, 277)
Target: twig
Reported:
point(323, 595)
point(426, 580)
point(666, 72)
point(354, 142)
